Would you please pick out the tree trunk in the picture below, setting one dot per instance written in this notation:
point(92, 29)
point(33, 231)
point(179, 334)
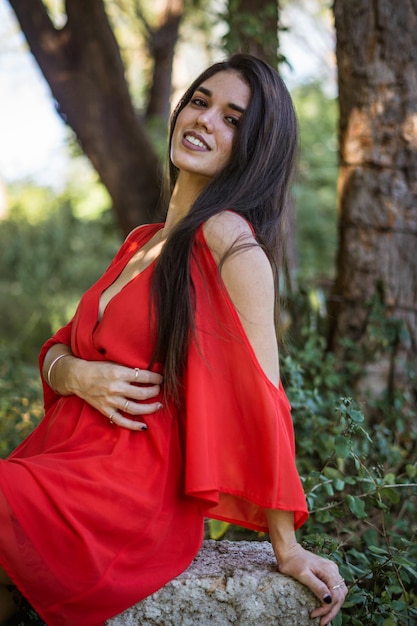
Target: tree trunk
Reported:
point(375, 298)
point(161, 46)
point(82, 65)
point(253, 28)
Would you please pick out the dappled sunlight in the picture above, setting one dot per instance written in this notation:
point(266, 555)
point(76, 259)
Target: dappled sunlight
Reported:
point(30, 203)
point(3, 200)
point(359, 141)
point(409, 129)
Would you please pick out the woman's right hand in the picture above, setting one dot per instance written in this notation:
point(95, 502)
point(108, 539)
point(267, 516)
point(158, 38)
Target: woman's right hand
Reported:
point(319, 574)
point(110, 388)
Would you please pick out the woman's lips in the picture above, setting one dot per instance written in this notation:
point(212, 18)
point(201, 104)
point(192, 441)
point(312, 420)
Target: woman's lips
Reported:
point(194, 142)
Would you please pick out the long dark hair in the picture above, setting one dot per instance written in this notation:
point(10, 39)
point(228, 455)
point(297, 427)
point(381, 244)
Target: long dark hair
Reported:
point(255, 184)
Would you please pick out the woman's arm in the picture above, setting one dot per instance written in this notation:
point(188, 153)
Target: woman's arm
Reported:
point(108, 387)
point(320, 575)
point(249, 281)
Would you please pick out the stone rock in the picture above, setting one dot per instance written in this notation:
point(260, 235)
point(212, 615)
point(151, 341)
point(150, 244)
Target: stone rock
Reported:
point(227, 583)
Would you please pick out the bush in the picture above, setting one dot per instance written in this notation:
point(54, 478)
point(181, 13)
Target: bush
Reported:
point(359, 476)
point(21, 406)
point(48, 258)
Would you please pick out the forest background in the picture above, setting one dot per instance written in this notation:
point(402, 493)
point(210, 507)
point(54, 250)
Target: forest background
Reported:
point(349, 327)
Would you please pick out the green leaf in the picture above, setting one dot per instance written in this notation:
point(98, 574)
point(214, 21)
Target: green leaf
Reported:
point(411, 470)
point(356, 506)
point(356, 416)
point(342, 447)
point(332, 472)
point(390, 479)
point(217, 528)
point(410, 570)
point(350, 480)
point(391, 494)
point(324, 517)
point(328, 489)
point(339, 484)
point(377, 550)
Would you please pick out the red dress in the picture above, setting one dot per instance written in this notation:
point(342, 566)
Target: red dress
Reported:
point(93, 517)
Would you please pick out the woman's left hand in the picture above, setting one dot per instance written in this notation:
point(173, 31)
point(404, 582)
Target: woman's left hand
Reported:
point(320, 575)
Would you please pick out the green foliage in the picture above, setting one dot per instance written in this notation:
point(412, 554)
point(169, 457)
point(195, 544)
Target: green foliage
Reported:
point(21, 405)
point(315, 189)
point(50, 252)
point(360, 482)
point(217, 528)
point(251, 30)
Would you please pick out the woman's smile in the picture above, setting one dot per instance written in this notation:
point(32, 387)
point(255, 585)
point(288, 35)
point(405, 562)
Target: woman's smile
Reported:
point(196, 141)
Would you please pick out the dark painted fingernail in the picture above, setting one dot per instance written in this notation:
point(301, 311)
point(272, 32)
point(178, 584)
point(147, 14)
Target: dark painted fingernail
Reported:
point(328, 599)
point(160, 406)
point(144, 428)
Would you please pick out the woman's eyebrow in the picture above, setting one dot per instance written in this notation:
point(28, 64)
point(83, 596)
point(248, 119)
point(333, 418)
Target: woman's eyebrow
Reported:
point(208, 93)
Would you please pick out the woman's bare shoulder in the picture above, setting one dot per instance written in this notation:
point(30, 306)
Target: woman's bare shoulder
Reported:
point(226, 230)
point(248, 277)
point(246, 271)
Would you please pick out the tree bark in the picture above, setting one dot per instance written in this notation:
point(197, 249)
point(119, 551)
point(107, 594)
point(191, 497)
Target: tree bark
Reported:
point(253, 28)
point(161, 46)
point(82, 65)
point(376, 285)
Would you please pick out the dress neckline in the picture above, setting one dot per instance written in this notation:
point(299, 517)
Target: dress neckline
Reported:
point(158, 227)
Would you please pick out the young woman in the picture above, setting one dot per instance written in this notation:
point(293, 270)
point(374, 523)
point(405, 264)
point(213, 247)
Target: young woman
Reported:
point(162, 396)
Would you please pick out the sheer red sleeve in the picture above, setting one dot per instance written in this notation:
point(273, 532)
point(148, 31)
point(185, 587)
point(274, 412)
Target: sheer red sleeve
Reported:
point(240, 451)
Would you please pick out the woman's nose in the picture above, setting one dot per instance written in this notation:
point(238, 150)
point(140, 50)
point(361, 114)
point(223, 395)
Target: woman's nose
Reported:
point(205, 120)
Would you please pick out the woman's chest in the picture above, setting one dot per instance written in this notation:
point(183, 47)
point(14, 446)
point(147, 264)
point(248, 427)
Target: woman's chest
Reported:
point(124, 334)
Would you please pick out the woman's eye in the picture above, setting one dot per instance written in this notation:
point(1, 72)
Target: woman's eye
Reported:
point(234, 121)
point(198, 102)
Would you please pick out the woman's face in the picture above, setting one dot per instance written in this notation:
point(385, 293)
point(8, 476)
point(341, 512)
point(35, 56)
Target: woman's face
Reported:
point(206, 126)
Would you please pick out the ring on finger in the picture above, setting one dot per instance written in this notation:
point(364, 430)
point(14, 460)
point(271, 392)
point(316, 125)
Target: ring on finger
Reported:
point(111, 417)
point(137, 372)
point(339, 584)
point(125, 406)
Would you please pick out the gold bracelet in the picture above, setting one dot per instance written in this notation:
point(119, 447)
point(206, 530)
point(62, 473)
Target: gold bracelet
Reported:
point(48, 375)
